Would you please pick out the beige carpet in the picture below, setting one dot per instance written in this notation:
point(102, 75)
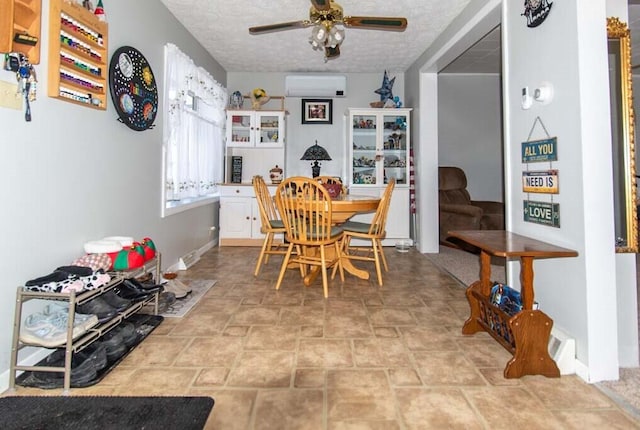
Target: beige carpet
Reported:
point(465, 267)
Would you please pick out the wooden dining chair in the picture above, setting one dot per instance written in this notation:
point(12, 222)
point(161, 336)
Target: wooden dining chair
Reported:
point(305, 207)
point(271, 224)
point(374, 232)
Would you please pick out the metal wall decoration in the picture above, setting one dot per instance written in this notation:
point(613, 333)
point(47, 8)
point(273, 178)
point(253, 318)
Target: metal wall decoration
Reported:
point(542, 213)
point(133, 88)
point(540, 181)
point(543, 181)
point(536, 11)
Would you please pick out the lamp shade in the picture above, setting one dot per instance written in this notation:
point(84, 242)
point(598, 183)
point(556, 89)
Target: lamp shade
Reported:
point(315, 152)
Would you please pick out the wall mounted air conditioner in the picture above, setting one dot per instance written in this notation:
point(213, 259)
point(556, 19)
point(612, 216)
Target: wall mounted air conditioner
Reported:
point(315, 86)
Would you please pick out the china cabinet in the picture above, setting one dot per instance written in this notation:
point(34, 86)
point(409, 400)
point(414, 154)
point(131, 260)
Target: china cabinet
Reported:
point(255, 145)
point(259, 129)
point(256, 141)
point(379, 144)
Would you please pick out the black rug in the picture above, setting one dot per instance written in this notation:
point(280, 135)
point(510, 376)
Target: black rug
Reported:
point(104, 413)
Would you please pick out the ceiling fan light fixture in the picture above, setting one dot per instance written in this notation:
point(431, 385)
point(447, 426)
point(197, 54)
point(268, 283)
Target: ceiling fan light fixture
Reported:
point(336, 37)
point(319, 33)
point(324, 35)
point(325, 16)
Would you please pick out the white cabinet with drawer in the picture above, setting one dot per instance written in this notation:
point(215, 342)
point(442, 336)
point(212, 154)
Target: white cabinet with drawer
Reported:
point(240, 216)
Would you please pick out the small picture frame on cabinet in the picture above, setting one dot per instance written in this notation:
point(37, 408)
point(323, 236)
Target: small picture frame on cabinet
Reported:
point(317, 111)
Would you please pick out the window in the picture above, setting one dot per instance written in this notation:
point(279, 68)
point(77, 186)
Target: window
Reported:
point(193, 138)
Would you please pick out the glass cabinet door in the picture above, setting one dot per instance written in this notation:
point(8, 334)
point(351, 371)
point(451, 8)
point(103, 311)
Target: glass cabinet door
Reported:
point(269, 129)
point(239, 129)
point(394, 141)
point(364, 149)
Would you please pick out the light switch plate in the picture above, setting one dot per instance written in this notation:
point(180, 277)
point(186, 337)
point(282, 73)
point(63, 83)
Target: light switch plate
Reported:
point(9, 96)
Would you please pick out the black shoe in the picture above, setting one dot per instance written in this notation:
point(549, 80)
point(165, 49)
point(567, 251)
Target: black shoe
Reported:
point(128, 332)
point(99, 307)
point(76, 270)
point(114, 344)
point(83, 368)
point(116, 301)
point(98, 354)
point(128, 291)
point(144, 286)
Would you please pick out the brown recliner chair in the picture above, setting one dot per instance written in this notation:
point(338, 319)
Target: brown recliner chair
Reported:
point(458, 211)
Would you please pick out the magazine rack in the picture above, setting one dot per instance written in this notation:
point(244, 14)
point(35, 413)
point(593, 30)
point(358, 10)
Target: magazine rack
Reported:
point(525, 334)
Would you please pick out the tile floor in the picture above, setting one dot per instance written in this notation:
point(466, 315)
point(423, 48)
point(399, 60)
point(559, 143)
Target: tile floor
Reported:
point(366, 358)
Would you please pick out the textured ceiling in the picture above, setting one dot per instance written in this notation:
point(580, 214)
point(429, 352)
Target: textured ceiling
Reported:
point(221, 26)
point(484, 57)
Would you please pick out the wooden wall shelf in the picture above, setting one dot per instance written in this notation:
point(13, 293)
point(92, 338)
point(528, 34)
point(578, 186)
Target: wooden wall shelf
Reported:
point(78, 51)
point(21, 17)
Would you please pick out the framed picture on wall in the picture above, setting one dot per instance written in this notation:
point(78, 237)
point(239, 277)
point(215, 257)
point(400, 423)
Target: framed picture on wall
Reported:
point(317, 111)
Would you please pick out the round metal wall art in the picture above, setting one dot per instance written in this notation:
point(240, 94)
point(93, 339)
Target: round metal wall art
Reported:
point(133, 88)
point(536, 11)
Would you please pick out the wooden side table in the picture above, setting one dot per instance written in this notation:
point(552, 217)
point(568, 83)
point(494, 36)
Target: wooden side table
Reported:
point(525, 334)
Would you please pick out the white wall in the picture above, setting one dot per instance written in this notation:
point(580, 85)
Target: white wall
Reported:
point(75, 174)
point(569, 50)
point(470, 131)
point(360, 92)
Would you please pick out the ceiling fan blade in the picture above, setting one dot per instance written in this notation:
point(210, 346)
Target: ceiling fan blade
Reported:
point(376, 23)
point(330, 52)
point(278, 27)
point(321, 4)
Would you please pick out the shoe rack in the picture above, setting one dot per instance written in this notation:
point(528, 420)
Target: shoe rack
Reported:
point(20, 22)
point(76, 345)
point(77, 55)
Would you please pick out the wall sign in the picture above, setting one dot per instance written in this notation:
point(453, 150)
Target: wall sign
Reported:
point(536, 11)
point(542, 213)
point(540, 181)
point(535, 151)
point(133, 88)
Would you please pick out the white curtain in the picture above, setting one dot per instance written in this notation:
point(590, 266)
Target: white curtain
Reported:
point(193, 138)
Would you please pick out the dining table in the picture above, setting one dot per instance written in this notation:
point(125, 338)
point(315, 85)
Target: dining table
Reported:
point(343, 207)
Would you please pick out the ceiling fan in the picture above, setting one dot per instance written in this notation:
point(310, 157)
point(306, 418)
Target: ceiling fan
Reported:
point(324, 15)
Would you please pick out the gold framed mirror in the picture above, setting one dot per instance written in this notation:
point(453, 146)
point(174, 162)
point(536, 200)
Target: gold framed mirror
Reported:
point(622, 136)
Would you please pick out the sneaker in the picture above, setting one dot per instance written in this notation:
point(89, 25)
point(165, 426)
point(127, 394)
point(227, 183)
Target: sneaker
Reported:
point(85, 321)
point(47, 330)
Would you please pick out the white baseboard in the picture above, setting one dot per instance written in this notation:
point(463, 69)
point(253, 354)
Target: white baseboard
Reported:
point(582, 371)
point(562, 349)
point(197, 253)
